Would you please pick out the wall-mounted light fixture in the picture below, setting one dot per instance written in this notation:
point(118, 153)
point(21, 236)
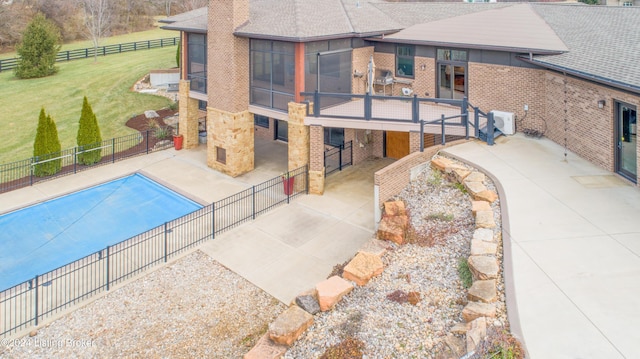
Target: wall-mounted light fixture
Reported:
point(423, 67)
point(601, 103)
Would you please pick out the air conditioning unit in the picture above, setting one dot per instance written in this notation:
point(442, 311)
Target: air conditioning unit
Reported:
point(505, 122)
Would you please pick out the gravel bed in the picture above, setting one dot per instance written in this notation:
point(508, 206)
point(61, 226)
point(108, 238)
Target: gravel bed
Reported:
point(193, 308)
point(443, 226)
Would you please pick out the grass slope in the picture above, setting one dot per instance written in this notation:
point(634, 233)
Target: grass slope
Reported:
point(106, 84)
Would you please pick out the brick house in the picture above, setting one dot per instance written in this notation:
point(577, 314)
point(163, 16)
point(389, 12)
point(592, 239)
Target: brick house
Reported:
point(567, 72)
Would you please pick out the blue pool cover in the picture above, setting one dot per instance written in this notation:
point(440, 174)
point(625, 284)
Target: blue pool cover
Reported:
point(43, 237)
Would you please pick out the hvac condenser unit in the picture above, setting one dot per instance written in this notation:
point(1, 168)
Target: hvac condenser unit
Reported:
point(505, 122)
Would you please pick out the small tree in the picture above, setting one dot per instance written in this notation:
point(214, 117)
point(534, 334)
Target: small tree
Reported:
point(46, 147)
point(88, 138)
point(38, 49)
point(179, 53)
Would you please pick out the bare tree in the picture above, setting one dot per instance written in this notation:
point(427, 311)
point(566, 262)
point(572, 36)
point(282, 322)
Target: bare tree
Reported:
point(188, 5)
point(97, 19)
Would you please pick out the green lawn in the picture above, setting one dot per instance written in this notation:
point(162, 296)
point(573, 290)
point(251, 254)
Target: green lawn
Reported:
point(106, 84)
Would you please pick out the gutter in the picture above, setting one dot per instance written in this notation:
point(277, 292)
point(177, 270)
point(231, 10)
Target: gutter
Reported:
point(583, 75)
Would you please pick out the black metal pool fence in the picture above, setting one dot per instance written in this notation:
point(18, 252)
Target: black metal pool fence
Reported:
point(28, 303)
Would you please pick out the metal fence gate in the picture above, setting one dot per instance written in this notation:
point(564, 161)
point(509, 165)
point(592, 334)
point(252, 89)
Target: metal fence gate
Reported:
point(338, 157)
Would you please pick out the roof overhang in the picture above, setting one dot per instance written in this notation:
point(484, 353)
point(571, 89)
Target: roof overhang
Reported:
point(365, 36)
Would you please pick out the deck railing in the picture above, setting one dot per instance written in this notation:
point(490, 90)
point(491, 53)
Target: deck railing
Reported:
point(42, 297)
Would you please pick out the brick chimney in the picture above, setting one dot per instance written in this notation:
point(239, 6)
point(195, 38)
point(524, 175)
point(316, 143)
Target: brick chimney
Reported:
point(228, 56)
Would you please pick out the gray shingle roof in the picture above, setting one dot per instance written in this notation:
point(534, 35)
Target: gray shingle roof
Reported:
point(191, 21)
point(514, 28)
point(603, 41)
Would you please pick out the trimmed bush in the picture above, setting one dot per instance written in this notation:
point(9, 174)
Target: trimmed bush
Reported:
point(89, 139)
point(38, 48)
point(46, 147)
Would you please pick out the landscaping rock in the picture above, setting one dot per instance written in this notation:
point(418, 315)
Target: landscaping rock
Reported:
point(266, 349)
point(483, 234)
point(476, 333)
point(460, 328)
point(482, 248)
point(289, 325)
point(484, 219)
point(483, 291)
point(475, 310)
point(477, 206)
point(362, 268)
point(151, 114)
point(414, 298)
point(375, 246)
point(331, 291)
point(487, 195)
point(308, 303)
point(476, 176)
point(456, 345)
point(483, 267)
point(441, 163)
point(460, 174)
point(391, 229)
point(394, 208)
point(474, 187)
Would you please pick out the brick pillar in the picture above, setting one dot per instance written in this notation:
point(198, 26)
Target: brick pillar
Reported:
point(230, 146)
point(188, 116)
point(316, 160)
point(378, 143)
point(298, 136)
point(414, 142)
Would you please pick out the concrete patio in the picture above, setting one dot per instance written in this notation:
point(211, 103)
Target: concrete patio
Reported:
point(572, 248)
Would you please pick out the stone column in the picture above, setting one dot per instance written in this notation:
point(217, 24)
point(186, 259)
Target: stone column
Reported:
point(298, 136)
point(230, 146)
point(316, 160)
point(188, 116)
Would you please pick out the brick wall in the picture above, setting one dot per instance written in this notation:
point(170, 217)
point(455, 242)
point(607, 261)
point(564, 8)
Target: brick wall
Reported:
point(360, 62)
point(589, 129)
point(392, 179)
point(228, 56)
point(266, 133)
point(360, 153)
point(506, 88)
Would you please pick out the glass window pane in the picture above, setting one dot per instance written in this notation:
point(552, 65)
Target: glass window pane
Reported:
point(281, 101)
point(444, 54)
point(263, 45)
point(283, 47)
point(262, 121)
point(261, 70)
point(261, 97)
point(283, 130)
point(458, 55)
point(405, 66)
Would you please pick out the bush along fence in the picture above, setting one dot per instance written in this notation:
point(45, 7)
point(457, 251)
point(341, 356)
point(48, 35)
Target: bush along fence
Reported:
point(25, 173)
point(9, 64)
point(29, 303)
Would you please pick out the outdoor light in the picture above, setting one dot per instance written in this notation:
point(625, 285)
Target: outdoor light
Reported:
point(423, 67)
point(601, 104)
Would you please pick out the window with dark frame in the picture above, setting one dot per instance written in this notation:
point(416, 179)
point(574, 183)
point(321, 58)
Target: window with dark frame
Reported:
point(334, 136)
point(202, 105)
point(262, 121)
point(221, 155)
point(405, 61)
point(197, 61)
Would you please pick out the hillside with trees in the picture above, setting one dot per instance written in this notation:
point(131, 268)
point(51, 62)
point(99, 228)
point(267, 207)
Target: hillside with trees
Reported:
point(75, 19)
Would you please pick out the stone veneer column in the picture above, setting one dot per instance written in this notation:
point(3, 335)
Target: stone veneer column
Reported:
point(230, 134)
point(188, 116)
point(298, 136)
point(230, 126)
point(316, 160)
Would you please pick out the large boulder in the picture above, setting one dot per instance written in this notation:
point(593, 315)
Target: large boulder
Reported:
point(483, 291)
point(393, 229)
point(265, 348)
point(394, 208)
point(362, 268)
point(289, 325)
point(331, 291)
point(483, 267)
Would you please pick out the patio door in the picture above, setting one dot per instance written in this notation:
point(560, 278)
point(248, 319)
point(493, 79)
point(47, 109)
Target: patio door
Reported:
point(626, 140)
point(452, 81)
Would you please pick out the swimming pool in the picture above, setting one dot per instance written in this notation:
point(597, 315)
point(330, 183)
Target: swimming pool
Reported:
point(45, 236)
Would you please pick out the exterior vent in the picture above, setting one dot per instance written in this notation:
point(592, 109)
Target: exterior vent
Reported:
point(505, 122)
